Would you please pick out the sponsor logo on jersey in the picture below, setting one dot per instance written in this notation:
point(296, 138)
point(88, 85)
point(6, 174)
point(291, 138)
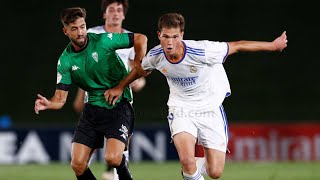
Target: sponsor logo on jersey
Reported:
point(110, 36)
point(184, 81)
point(59, 77)
point(193, 69)
point(95, 56)
point(74, 68)
point(124, 131)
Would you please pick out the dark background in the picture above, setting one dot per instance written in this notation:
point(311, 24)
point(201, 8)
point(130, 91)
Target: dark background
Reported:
point(266, 86)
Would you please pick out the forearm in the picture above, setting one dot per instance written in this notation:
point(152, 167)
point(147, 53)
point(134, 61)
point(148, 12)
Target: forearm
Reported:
point(250, 46)
point(140, 48)
point(58, 100)
point(132, 76)
point(78, 103)
point(56, 103)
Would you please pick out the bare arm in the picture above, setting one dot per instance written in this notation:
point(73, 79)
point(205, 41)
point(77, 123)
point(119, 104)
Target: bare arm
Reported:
point(78, 103)
point(140, 48)
point(252, 46)
point(138, 84)
point(56, 102)
point(112, 95)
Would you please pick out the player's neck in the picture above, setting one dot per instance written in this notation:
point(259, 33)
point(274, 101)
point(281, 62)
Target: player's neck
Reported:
point(177, 56)
point(114, 29)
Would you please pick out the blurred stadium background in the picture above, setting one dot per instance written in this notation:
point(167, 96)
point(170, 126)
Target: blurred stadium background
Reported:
point(273, 111)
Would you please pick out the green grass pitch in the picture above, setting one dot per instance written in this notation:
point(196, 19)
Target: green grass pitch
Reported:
point(170, 171)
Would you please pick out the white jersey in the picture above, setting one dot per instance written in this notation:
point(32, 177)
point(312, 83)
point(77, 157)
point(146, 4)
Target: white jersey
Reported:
point(199, 80)
point(125, 54)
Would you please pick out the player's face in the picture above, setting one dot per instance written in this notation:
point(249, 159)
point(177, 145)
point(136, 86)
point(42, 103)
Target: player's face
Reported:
point(114, 14)
point(171, 40)
point(77, 33)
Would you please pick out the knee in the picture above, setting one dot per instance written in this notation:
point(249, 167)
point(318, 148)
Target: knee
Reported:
point(78, 166)
point(215, 173)
point(113, 159)
point(187, 161)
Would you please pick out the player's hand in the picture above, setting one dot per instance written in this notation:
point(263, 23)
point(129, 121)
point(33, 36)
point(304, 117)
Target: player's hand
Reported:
point(113, 94)
point(41, 103)
point(281, 42)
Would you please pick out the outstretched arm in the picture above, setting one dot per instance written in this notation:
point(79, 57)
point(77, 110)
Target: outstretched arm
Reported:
point(56, 102)
point(252, 46)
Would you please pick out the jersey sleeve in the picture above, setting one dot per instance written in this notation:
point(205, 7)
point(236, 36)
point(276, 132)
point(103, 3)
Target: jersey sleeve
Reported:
point(114, 41)
point(63, 71)
point(216, 52)
point(148, 63)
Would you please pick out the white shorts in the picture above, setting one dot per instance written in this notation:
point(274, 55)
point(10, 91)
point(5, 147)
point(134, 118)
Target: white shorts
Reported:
point(209, 126)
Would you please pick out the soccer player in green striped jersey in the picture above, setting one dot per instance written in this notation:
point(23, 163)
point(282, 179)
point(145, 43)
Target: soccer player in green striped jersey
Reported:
point(90, 61)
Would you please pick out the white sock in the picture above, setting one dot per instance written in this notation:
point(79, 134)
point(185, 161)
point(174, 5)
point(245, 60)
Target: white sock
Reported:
point(201, 165)
point(115, 174)
point(195, 176)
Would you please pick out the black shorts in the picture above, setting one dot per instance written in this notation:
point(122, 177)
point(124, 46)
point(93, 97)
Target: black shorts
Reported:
point(96, 122)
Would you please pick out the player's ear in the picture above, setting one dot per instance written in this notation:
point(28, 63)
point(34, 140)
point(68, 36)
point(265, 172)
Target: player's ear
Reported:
point(64, 30)
point(159, 33)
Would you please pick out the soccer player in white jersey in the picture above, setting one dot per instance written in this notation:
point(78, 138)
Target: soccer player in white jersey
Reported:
point(198, 86)
point(114, 12)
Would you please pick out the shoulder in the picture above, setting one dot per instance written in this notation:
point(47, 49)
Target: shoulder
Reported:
point(97, 29)
point(156, 51)
point(126, 31)
point(64, 59)
point(154, 57)
point(204, 44)
point(94, 37)
point(66, 52)
point(197, 44)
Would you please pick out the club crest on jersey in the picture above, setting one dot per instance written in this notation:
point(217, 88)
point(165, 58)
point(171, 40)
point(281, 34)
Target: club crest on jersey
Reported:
point(193, 69)
point(164, 70)
point(95, 56)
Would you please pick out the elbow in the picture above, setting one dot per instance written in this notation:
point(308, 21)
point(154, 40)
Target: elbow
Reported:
point(141, 40)
point(234, 47)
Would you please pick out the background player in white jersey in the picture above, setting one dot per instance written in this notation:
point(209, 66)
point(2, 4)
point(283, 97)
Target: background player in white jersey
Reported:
point(114, 12)
point(198, 85)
